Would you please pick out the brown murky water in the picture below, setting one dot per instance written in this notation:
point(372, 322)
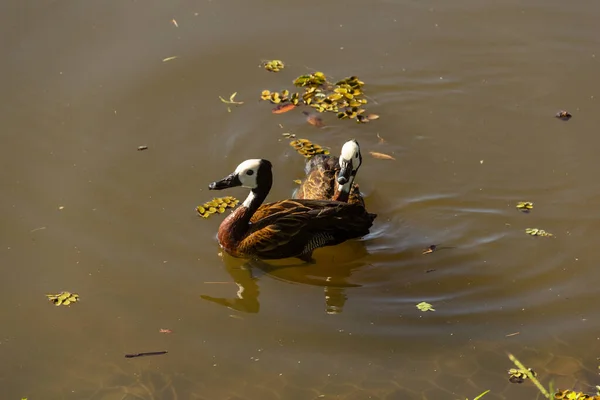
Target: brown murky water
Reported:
point(466, 90)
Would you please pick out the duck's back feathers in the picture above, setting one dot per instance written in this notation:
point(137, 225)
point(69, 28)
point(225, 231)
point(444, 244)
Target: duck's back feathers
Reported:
point(320, 173)
point(294, 228)
point(321, 181)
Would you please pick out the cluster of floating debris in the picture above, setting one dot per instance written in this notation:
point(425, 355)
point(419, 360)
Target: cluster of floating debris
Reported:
point(518, 376)
point(273, 65)
point(345, 98)
point(525, 206)
point(307, 148)
point(537, 232)
point(63, 298)
point(216, 205)
point(572, 395)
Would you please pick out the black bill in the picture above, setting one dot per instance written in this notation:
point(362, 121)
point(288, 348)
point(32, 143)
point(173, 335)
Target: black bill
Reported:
point(229, 181)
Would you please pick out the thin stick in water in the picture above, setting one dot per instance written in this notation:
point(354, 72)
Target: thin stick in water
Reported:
point(151, 353)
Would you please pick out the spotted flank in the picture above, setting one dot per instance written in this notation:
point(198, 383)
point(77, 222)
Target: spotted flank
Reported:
point(319, 240)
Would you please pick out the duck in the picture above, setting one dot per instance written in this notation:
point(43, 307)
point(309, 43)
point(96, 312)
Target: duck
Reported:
point(291, 228)
point(332, 178)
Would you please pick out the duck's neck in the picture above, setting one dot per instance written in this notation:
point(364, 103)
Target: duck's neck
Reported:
point(235, 226)
point(342, 192)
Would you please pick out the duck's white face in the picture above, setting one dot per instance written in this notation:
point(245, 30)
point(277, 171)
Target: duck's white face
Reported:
point(350, 161)
point(247, 173)
point(350, 154)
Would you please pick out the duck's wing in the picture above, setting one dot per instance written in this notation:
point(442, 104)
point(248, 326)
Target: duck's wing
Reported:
point(291, 228)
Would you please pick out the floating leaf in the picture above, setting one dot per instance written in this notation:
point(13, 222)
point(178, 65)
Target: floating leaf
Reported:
point(142, 148)
point(170, 58)
point(531, 375)
point(361, 119)
point(288, 135)
point(372, 117)
point(275, 98)
point(518, 376)
point(274, 65)
point(216, 205)
point(524, 206)
point(165, 330)
point(63, 298)
point(265, 95)
point(537, 232)
point(295, 99)
point(231, 100)
point(298, 181)
point(283, 108)
point(381, 156)
point(430, 249)
point(316, 79)
point(564, 115)
point(423, 306)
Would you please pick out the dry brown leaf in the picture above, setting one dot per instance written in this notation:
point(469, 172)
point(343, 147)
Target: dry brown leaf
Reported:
point(381, 156)
point(315, 120)
point(430, 249)
point(282, 108)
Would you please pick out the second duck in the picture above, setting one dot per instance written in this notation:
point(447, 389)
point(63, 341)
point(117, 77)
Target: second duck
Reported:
point(332, 178)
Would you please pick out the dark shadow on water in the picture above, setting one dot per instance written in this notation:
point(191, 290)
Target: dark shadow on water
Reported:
point(333, 275)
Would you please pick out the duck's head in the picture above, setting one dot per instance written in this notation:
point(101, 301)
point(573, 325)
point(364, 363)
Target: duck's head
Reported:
point(250, 174)
point(350, 161)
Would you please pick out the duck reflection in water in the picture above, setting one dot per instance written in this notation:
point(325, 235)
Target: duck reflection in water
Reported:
point(332, 275)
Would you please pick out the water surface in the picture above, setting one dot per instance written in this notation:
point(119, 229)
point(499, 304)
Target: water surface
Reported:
point(466, 92)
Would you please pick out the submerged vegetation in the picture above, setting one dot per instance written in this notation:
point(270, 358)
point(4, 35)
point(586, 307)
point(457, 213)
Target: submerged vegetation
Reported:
point(519, 374)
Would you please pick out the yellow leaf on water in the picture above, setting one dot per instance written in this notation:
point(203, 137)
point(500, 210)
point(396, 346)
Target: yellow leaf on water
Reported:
point(175, 23)
point(381, 156)
point(170, 58)
point(231, 100)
